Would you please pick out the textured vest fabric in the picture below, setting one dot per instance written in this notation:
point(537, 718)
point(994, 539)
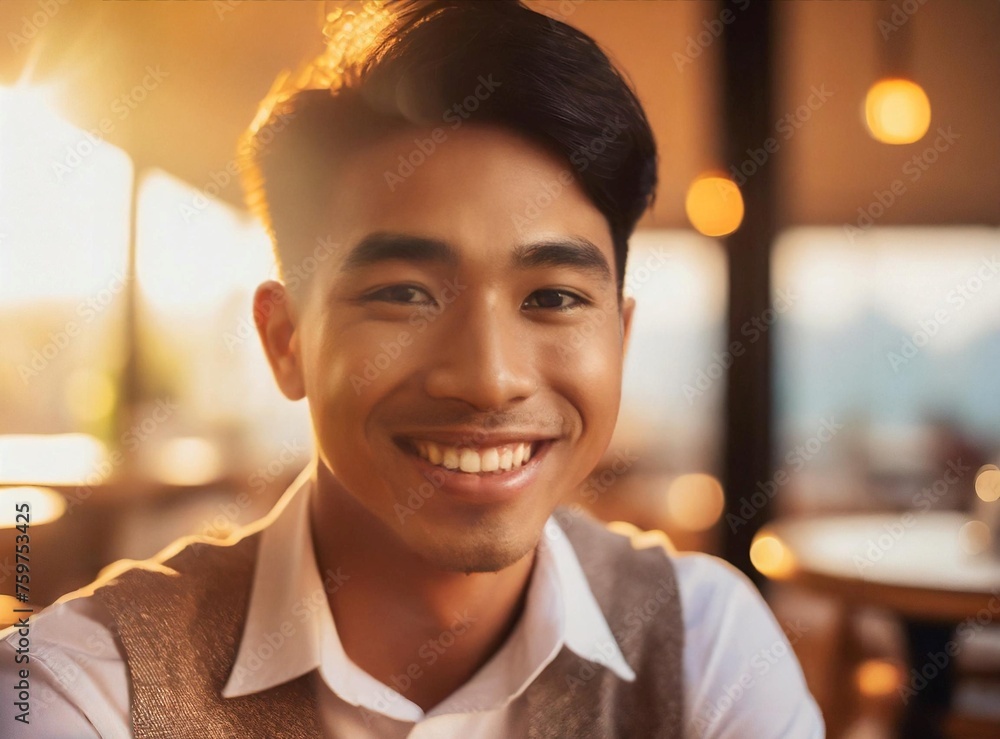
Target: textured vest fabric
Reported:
point(180, 622)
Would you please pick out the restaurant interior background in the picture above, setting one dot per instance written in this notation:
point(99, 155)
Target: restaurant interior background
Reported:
point(811, 389)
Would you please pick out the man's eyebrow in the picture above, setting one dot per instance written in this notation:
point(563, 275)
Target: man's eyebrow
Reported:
point(574, 252)
point(382, 246)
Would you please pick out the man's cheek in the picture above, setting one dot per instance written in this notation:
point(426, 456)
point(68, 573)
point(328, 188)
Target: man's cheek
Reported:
point(348, 453)
point(378, 364)
point(596, 358)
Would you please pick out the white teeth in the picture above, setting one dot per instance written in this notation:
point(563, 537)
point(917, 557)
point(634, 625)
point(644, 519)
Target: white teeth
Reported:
point(434, 453)
point(469, 462)
point(506, 458)
point(518, 454)
point(489, 459)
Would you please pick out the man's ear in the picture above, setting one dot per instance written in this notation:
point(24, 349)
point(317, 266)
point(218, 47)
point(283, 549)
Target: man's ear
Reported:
point(628, 308)
point(276, 320)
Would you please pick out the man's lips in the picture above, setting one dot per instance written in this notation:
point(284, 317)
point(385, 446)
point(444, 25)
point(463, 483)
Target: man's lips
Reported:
point(479, 488)
point(495, 455)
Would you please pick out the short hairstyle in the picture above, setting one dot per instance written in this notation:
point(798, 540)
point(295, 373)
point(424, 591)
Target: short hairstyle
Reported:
point(553, 85)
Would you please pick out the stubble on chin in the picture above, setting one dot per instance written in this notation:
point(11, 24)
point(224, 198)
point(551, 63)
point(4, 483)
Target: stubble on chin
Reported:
point(491, 547)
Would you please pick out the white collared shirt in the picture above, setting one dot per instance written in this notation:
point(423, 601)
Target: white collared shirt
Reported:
point(80, 682)
point(288, 606)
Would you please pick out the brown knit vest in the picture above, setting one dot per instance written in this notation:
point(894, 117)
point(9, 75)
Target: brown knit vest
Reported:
point(181, 633)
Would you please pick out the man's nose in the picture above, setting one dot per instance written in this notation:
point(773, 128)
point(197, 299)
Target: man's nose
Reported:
point(482, 357)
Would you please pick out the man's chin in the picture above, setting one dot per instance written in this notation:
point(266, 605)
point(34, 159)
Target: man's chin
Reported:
point(480, 561)
point(489, 548)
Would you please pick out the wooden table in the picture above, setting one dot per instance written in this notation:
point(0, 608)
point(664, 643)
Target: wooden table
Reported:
point(913, 564)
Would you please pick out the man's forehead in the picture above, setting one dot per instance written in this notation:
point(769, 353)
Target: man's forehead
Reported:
point(477, 173)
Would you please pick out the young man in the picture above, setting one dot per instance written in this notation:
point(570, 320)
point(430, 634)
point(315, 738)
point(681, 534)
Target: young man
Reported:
point(479, 169)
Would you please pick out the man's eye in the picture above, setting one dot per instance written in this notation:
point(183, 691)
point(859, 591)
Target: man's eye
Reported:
point(402, 294)
point(553, 300)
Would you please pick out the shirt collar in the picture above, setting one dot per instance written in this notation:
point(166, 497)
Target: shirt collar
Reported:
point(281, 635)
point(289, 629)
point(586, 630)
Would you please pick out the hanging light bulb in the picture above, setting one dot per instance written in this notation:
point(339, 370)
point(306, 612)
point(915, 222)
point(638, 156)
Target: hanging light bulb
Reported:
point(897, 111)
point(714, 205)
point(771, 556)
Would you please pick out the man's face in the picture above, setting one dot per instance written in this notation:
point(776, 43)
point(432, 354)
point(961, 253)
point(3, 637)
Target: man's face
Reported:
point(468, 319)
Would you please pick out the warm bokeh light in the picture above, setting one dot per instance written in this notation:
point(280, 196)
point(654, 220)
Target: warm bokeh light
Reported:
point(642, 539)
point(44, 505)
point(988, 483)
point(187, 461)
point(350, 33)
point(714, 205)
point(975, 537)
point(695, 502)
point(771, 557)
point(52, 459)
point(877, 678)
point(897, 111)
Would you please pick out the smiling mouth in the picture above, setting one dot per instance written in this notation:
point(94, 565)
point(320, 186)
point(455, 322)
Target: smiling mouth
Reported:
point(476, 460)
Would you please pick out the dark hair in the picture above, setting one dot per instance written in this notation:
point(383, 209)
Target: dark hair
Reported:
point(556, 86)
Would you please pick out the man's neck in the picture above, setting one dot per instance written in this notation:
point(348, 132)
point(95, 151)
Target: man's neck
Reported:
point(422, 630)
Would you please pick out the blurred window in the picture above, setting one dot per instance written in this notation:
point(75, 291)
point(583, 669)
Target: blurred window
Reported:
point(198, 263)
point(893, 334)
point(65, 197)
